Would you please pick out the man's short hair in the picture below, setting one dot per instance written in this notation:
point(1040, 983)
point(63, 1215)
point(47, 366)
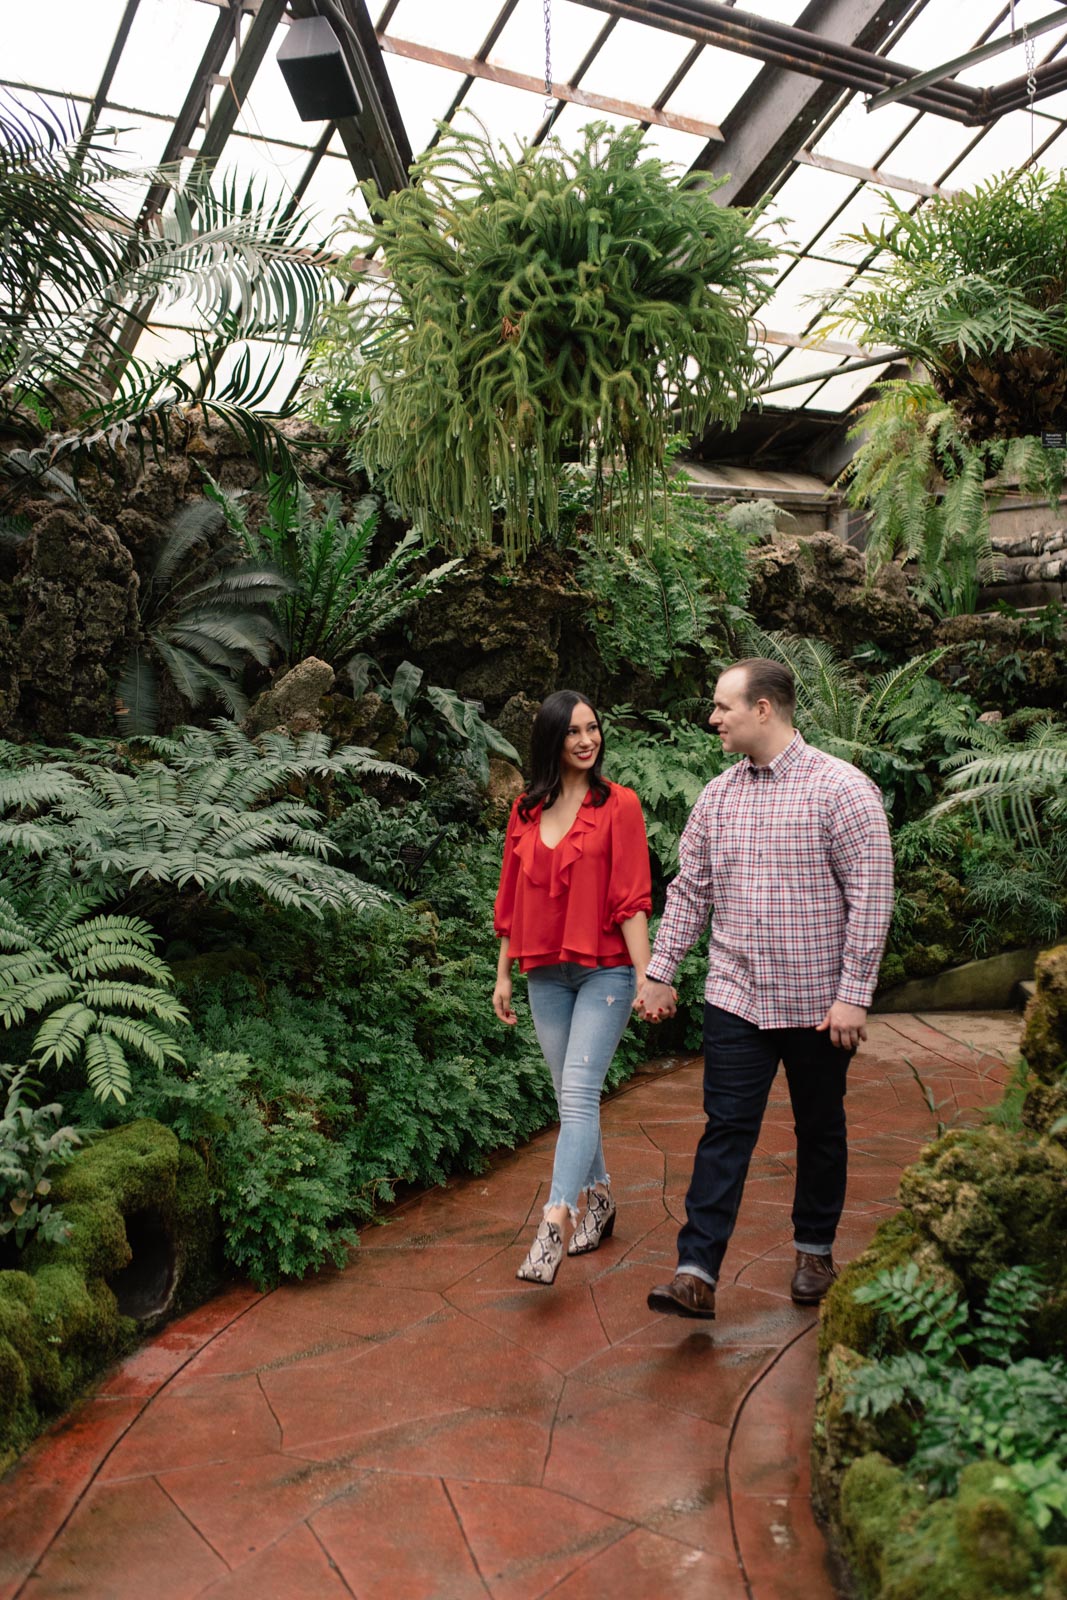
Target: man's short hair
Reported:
point(769, 680)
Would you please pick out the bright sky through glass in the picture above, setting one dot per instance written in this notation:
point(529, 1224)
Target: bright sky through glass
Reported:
point(63, 46)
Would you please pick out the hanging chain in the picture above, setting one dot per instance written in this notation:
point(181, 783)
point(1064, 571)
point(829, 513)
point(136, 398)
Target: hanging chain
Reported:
point(1031, 83)
point(549, 101)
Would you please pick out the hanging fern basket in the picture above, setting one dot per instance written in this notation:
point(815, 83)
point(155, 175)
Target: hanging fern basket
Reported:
point(544, 308)
point(974, 286)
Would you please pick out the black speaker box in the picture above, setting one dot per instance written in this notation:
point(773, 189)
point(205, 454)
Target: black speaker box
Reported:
point(316, 72)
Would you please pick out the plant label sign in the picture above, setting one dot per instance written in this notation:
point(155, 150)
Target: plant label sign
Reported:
point(1054, 438)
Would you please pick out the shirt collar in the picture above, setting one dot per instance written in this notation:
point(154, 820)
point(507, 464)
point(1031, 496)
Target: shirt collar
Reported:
point(783, 761)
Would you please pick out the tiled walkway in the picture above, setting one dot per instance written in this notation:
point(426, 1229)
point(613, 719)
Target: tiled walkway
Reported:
point(422, 1427)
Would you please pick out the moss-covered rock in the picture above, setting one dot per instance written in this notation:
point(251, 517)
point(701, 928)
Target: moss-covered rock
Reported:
point(61, 1314)
point(1044, 1041)
point(979, 1544)
point(991, 1198)
point(840, 1437)
point(897, 1240)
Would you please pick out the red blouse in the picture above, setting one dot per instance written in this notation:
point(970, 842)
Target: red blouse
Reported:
point(566, 904)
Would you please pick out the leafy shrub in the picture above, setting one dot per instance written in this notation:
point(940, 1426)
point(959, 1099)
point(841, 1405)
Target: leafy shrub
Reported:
point(33, 1141)
point(667, 762)
point(437, 720)
point(676, 589)
point(969, 1395)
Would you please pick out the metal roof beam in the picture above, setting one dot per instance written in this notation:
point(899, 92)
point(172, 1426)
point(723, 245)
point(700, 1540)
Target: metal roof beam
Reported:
point(810, 50)
point(779, 111)
point(473, 68)
point(993, 47)
point(375, 142)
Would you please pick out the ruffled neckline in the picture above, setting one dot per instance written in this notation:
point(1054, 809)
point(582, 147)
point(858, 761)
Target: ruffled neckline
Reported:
point(551, 869)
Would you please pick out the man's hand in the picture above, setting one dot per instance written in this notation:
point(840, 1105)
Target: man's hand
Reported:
point(655, 1000)
point(847, 1025)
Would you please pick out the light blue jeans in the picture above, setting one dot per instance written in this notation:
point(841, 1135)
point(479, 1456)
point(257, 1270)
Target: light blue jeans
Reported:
point(580, 1014)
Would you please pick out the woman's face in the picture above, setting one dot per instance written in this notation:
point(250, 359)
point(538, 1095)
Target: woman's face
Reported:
point(581, 744)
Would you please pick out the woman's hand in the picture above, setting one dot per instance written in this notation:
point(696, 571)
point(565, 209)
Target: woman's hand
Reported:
point(502, 1002)
point(655, 1000)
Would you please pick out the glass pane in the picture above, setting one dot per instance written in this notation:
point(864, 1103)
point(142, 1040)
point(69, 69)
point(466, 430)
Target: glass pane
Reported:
point(459, 29)
point(929, 149)
point(511, 116)
point(863, 137)
point(808, 200)
point(423, 94)
point(798, 301)
point(1006, 145)
point(840, 394)
point(162, 53)
point(52, 46)
point(636, 63)
point(713, 85)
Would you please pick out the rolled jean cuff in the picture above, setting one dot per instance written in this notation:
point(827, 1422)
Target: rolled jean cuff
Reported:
point(813, 1249)
point(697, 1272)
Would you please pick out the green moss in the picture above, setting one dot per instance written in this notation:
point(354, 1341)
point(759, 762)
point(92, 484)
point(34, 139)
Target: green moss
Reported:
point(980, 1544)
point(876, 1502)
point(991, 1198)
point(1044, 1041)
point(59, 1318)
point(862, 1327)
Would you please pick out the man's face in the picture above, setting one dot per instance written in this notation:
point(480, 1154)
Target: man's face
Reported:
point(739, 725)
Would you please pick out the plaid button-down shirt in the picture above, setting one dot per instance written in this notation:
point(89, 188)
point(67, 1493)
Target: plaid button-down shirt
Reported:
point(795, 859)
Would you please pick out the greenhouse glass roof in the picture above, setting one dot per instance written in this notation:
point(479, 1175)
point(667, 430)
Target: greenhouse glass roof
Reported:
point(776, 97)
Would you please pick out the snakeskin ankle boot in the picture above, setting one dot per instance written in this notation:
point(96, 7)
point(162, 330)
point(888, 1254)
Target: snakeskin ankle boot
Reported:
point(597, 1224)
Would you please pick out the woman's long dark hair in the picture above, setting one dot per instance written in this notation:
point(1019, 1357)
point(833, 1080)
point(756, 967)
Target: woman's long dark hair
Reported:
point(546, 751)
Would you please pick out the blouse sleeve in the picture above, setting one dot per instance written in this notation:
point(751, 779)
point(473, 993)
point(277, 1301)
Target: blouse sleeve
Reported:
point(630, 885)
point(504, 905)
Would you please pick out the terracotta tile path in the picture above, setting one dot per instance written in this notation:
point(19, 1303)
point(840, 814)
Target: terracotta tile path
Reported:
point(421, 1426)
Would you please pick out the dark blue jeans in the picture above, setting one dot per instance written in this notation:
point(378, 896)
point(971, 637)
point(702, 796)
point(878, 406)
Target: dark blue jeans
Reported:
point(740, 1064)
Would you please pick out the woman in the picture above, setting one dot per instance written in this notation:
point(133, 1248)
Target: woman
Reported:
point(572, 909)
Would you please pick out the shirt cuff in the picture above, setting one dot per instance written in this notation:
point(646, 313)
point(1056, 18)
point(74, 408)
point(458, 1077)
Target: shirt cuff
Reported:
point(855, 992)
point(661, 969)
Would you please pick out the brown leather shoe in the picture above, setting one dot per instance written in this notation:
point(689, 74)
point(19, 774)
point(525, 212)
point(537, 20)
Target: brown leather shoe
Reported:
point(685, 1296)
point(812, 1278)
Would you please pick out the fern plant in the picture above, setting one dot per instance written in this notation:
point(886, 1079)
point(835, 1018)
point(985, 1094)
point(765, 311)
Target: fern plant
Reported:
point(34, 1141)
point(204, 610)
point(333, 601)
point(961, 1381)
point(1018, 791)
point(542, 307)
point(205, 809)
point(667, 762)
point(974, 287)
point(929, 489)
point(95, 983)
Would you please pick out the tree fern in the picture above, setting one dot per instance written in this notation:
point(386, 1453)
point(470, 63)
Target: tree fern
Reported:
point(209, 809)
point(1018, 791)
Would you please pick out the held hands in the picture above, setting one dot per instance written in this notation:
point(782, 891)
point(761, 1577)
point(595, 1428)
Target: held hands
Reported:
point(502, 1002)
point(847, 1025)
point(655, 1001)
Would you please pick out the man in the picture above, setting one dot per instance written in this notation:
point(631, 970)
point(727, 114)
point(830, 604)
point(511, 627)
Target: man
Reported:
point(791, 848)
